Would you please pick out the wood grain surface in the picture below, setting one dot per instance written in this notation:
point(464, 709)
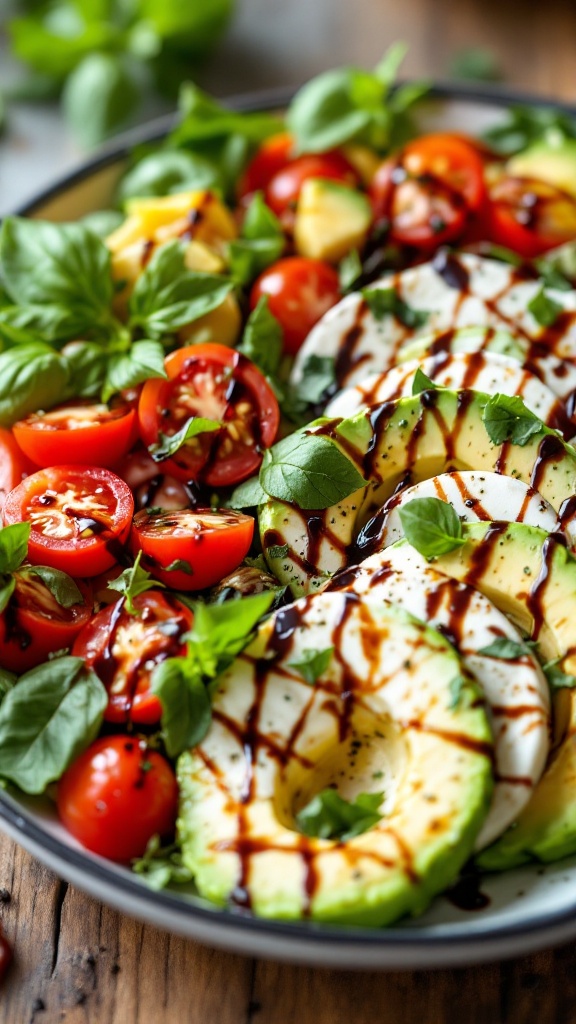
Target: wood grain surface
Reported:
point(78, 961)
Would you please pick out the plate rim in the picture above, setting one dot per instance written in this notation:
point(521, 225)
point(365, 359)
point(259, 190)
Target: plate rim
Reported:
point(306, 942)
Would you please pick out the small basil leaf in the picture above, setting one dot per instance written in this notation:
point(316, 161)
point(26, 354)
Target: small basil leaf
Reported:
point(557, 678)
point(313, 663)
point(248, 494)
point(13, 546)
point(277, 551)
point(384, 302)
point(309, 471)
point(329, 816)
point(145, 359)
point(168, 445)
point(507, 649)
point(349, 271)
point(52, 714)
point(62, 587)
point(544, 309)
point(318, 379)
point(179, 565)
point(186, 711)
point(7, 587)
point(261, 244)
point(506, 418)
point(422, 383)
point(168, 170)
point(220, 632)
point(524, 125)
point(161, 865)
point(431, 526)
point(132, 582)
point(262, 339)
point(551, 275)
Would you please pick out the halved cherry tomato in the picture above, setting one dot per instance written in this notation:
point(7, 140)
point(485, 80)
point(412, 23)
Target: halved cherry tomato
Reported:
point(116, 796)
point(270, 157)
point(123, 650)
point(34, 625)
point(14, 465)
point(284, 187)
point(430, 190)
point(299, 292)
point(202, 544)
point(81, 431)
point(220, 384)
point(79, 515)
point(529, 216)
point(152, 488)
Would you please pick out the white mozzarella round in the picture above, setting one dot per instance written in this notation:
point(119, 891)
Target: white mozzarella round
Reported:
point(481, 371)
point(516, 691)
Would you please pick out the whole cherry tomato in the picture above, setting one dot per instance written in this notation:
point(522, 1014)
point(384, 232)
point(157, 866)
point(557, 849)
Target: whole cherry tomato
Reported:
point(201, 545)
point(529, 216)
point(299, 292)
point(34, 625)
point(79, 516)
point(116, 796)
point(270, 157)
point(80, 431)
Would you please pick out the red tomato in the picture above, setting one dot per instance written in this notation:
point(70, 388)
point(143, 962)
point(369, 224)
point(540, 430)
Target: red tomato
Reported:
point(150, 487)
point(116, 796)
point(34, 625)
point(79, 515)
point(79, 431)
point(209, 544)
point(14, 465)
point(283, 189)
point(270, 158)
point(529, 216)
point(299, 292)
point(123, 650)
point(430, 190)
point(220, 384)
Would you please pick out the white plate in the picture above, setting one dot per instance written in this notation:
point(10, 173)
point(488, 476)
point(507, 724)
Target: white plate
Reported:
point(526, 909)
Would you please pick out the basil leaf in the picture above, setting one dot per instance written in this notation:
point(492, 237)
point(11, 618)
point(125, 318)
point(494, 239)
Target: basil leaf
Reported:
point(544, 309)
point(7, 682)
point(557, 678)
point(349, 271)
point(262, 339)
point(87, 365)
point(145, 359)
point(525, 125)
point(313, 663)
point(50, 323)
point(179, 565)
point(132, 582)
point(53, 713)
point(309, 471)
point(167, 296)
point(13, 546)
point(506, 418)
point(7, 588)
point(329, 816)
point(167, 171)
point(277, 551)
point(384, 302)
point(431, 526)
point(186, 710)
point(63, 265)
point(248, 494)
point(99, 97)
point(220, 632)
point(261, 244)
point(456, 689)
point(507, 649)
point(62, 587)
point(551, 275)
point(168, 445)
point(422, 383)
point(558, 265)
point(161, 865)
point(318, 379)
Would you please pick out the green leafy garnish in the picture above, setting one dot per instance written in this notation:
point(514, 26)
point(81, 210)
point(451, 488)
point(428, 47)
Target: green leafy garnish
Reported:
point(180, 565)
point(557, 678)
point(167, 171)
point(168, 444)
point(384, 302)
point(544, 309)
point(318, 377)
point(277, 551)
point(507, 649)
point(459, 687)
point(132, 582)
point(506, 418)
point(349, 271)
point(431, 526)
point(313, 663)
point(551, 275)
point(162, 865)
point(329, 816)
point(422, 383)
point(262, 339)
point(261, 243)
point(13, 551)
point(309, 471)
point(525, 125)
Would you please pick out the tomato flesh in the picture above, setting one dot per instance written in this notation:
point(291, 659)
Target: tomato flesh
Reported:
point(529, 216)
point(203, 545)
point(14, 465)
point(79, 517)
point(116, 796)
point(150, 487)
point(299, 291)
point(219, 384)
point(83, 432)
point(34, 625)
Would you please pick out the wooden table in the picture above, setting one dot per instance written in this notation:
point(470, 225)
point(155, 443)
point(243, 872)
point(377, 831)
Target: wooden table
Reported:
point(76, 960)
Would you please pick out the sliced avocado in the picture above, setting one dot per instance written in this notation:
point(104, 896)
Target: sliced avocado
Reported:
point(394, 444)
point(551, 161)
point(380, 718)
point(466, 339)
point(531, 577)
point(331, 219)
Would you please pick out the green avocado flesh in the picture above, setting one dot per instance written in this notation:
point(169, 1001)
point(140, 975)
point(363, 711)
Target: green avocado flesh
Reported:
point(394, 444)
point(381, 718)
point(531, 577)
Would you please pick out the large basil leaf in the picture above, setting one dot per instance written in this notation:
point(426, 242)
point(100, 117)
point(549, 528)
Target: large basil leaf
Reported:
point(169, 170)
point(32, 377)
point(145, 359)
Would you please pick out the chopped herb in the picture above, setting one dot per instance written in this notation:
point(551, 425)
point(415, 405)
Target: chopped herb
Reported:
point(386, 302)
point(557, 678)
point(422, 382)
point(313, 663)
point(506, 649)
point(168, 445)
point(132, 582)
point(544, 309)
point(329, 816)
point(277, 551)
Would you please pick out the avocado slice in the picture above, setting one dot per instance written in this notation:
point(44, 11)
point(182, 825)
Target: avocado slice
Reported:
point(380, 718)
point(553, 161)
point(394, 444)
point(331, 219)
point(531, 577)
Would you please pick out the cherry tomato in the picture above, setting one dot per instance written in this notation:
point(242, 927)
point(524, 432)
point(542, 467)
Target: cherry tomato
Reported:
point(124, 649)
point(79, 516)
point(116, 796)
point(220, 384)
point(79, 431)
point(299, 292)
point(150, 487)
point(203, 545)
point(269, 158)
point(430, 190)
point(529, 216)
point(14, 465)
point(284, 187)
point(34, 625)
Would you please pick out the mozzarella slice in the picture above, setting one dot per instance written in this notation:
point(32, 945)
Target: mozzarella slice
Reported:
point(516, 690)
point(453, 291)
point(492, 374)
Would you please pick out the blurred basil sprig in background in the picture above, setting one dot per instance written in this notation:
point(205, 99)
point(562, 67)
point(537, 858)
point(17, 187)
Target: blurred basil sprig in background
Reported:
point(106, 57)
